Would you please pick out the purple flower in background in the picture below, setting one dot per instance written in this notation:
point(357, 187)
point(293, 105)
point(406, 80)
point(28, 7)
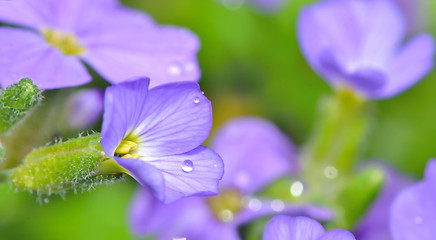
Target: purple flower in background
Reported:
point(358, 44)
point(255, 153)
point(413, 213)
point(374, 225)
point(156, 136)
point(301, 228)
point(118, 42)
point(85, 108)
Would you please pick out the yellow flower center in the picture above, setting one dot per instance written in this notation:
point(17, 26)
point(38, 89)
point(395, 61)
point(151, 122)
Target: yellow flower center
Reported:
point(226, 205)
point(126, 149)
point(67, 43)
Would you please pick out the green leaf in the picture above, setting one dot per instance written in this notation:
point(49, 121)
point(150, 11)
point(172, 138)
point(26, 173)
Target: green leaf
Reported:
point(356, 196)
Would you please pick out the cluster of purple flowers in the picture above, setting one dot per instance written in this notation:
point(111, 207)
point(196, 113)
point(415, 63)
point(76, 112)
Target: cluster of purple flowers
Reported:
point(156, 118)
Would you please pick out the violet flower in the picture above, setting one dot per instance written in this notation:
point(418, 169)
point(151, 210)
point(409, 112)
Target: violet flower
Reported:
point(374, 225)
point(413, 213)
point(118, 42)
point(85, 108)
point(156, 136)
point(255, 153)
point(358, 44)
point(301, 228)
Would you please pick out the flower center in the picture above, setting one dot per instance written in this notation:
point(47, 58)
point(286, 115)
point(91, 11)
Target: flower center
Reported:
point(126, 149)
point(67, 43)
point(226, 205)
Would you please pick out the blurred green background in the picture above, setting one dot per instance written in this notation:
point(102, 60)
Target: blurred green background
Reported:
point(251, 64)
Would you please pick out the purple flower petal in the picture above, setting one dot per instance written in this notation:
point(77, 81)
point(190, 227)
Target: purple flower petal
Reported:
point(165, 54)
point(409, 65)
point(85, 108)
point(120, 43)
point(147, 216)
point(256, 208)
point(337, 234)
point(122, 112)
point(25, 54)
point(193, 173)
point(301, 228)
point(357, 44)
point(34, 14)
point(147, 175)
point(188, 218)
point(374, 225)
point(169, 119)
point(413, 213)
point(255, 153)
point(321, 28)
point(177, 119)
point(297, 228)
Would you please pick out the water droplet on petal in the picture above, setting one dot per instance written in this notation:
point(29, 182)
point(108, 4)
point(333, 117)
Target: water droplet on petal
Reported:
point(330, 172)
point(296, 188)
point(196, 100)
point(187, 166)
point(277, 205)
point(225, 215)
point(174, 69)
point(202, 92)
point(254, 204)
point(215, 165)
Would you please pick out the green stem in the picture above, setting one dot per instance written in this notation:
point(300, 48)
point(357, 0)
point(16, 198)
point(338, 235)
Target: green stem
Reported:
point(339, 133)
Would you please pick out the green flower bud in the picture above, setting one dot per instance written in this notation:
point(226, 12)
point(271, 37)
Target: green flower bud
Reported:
point(16, 101)
point(73, 164)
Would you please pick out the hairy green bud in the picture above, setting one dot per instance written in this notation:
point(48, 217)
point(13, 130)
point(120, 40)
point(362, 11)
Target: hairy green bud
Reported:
point(73, 164)
point(16, 101)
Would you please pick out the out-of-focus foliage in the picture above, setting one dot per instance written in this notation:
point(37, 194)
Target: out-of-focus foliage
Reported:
point(251, 64)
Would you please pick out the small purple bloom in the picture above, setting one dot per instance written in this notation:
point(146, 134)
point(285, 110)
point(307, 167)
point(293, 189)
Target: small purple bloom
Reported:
point(358, 44)
point(301, 228)
point(156, 136)
point(85, 108)
point(374, 225)
point(255, 153)
point(118, 42)
point(413, 213)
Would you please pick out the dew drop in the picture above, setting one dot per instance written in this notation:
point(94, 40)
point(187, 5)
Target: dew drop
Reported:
point(296, 188)
point(187, 166)
point(254, 204)
point(330, 172)
point(225, 215)
point(196, 100)
point(277, 205)
point(174, 69)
